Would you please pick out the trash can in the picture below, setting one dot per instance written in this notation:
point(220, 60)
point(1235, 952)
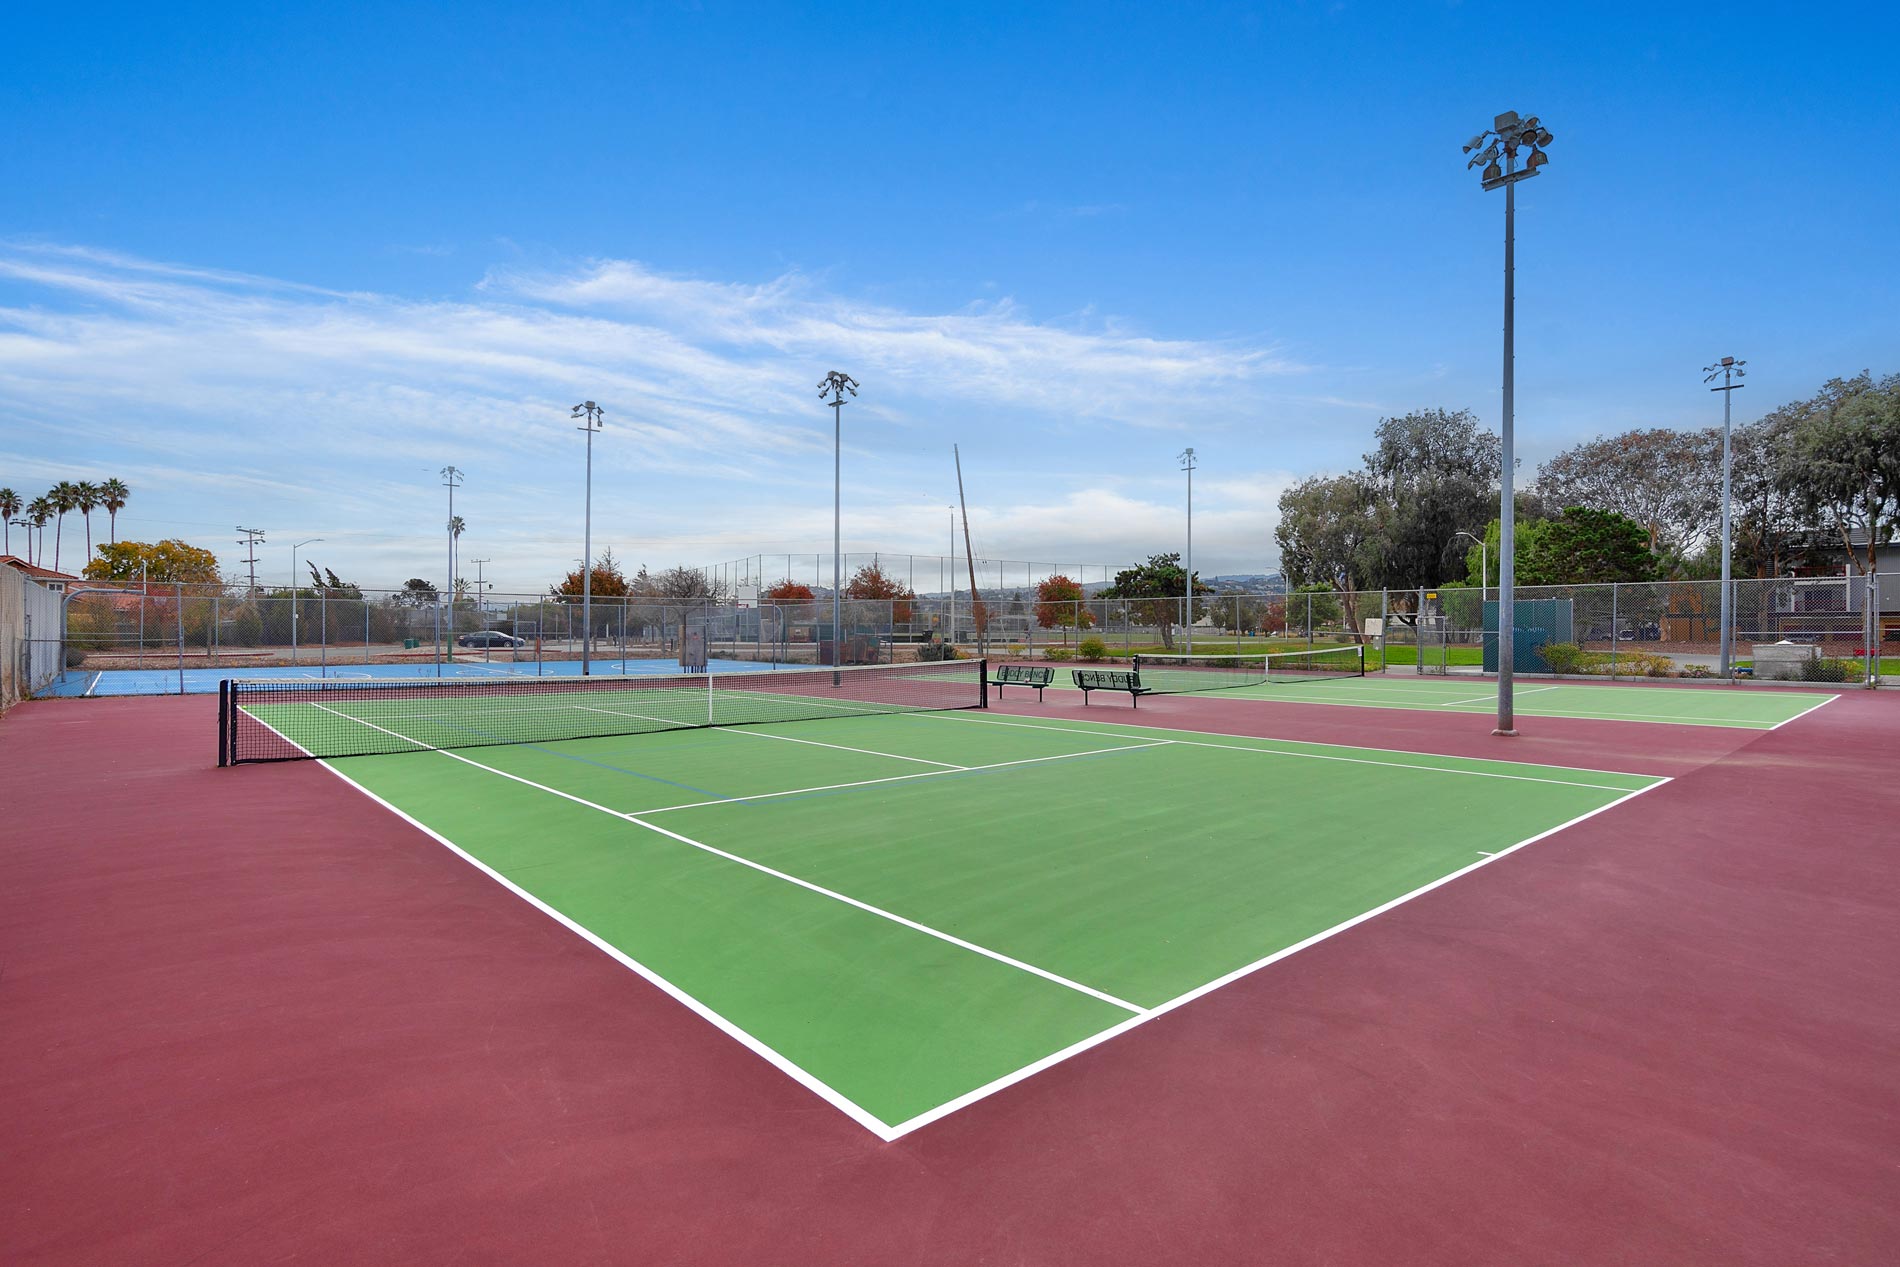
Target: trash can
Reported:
point(410, 644)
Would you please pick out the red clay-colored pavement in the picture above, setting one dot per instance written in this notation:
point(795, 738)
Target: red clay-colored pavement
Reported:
point(249, 1017)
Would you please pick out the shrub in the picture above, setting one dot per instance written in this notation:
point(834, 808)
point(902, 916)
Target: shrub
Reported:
point(1092, 648)
point(1565, 657)
point(1698, 670)
point(1058, 653)
point(1643, 664)
point(75, 656)
point(1825, 670)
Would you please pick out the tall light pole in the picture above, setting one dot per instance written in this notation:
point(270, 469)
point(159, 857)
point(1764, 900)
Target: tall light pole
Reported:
point(452, 480)
point(1484, 564)
point(294, 604)
point(588, 410)
point(1508, 134)
point(1187, 464)
point(953, 573)
point(1728, 369)
point(836, 384)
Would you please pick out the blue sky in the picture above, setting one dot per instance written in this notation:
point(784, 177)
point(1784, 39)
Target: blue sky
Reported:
point(276, 265)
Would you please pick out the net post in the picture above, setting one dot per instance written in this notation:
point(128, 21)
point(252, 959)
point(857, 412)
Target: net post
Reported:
point(983, 682)
point(224, 721)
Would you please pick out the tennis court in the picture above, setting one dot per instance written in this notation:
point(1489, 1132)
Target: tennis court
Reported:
point(1326, 677)
point(903, 900)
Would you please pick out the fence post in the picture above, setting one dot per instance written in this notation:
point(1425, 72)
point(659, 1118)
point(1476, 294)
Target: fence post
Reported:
point(178, 604)
point(1616, 632)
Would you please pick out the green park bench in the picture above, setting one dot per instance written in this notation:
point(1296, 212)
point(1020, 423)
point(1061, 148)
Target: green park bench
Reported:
point(1111, 680)
point(1037, 676)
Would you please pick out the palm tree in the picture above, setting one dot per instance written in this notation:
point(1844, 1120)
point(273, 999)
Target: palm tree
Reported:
point(63, 497)
point(86, 497)
point(112, 495)
point(456, 527)
point(38, 511)
point(9, 507)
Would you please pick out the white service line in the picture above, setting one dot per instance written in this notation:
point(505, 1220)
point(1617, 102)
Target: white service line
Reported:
point(1485, 699)
point(1313, 756)
point(868, 752)
point(902, 778)
point(776, 874)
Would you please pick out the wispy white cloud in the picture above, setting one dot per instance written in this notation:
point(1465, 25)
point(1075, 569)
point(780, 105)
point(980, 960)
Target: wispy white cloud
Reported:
point(225, 395)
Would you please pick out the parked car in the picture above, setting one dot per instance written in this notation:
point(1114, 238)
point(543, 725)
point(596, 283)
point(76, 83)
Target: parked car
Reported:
point(491, 638)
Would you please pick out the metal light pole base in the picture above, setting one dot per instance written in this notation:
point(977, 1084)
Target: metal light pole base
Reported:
point(1509, 734)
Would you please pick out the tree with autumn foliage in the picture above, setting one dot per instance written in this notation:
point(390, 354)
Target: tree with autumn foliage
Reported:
point(787, 594)
point(870, 583)
point(1059, 605)
point(609, 581)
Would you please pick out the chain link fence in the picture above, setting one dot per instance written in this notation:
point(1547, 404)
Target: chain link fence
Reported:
point(1820, 629)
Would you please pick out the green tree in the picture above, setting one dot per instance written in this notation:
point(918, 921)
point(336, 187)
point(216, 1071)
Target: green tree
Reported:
point(417, 592)
point(1668, 481)
point(168, 560)
point(113, 494)
point(1328, 533)
point(1156, 592)
point(1841, 462)
point(1585, 546)
point(1432, 472)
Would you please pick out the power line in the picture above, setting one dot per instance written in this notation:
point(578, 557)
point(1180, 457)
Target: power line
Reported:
point(253, 538)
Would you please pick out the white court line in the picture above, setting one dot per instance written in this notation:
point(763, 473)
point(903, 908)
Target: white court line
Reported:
point(1161, 1009)
point(1318, 756)
point(837, 1100)
point(1413, 703)
point(1483, 699)
point(776, 874)
point(903, 778)
point(1804, 712)
point(844, 1104)
point(92, 685)
point(869, 752)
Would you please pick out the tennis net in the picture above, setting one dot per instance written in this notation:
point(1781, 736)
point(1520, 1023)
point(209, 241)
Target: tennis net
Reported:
point(288, 719)
point(1183, 674)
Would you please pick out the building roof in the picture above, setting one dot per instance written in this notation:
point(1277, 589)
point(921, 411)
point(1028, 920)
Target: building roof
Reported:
point(34, 570)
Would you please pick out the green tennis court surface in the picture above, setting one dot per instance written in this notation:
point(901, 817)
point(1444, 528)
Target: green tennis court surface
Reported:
point(906, 911)
point(1738, 707)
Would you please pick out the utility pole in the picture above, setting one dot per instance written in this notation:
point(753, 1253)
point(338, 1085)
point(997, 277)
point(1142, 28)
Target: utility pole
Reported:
point(253, 538)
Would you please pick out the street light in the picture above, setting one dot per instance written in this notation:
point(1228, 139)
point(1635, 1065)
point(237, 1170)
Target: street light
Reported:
point(1507, 135)
point(1484, 566)
point(592, 413)
point(1187, 464)
point(1728, 369)
point(307, 541)
point(836, 384)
